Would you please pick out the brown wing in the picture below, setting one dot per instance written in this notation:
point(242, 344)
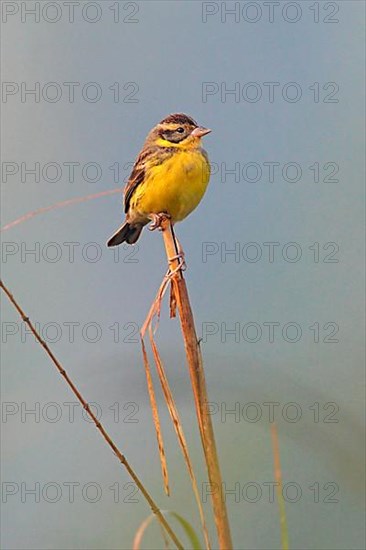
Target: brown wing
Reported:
point(147, 157)
point(136, 177)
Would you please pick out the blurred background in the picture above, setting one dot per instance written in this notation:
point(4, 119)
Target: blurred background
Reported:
point(274, 254)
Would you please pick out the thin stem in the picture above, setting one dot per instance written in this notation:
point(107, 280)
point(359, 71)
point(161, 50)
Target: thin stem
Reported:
point(197, 376)
point(98, 424)
point(61, 204)
point(278, 478)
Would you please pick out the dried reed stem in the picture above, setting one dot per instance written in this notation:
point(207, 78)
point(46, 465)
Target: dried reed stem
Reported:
point(60, 204)
point(98, 424)
point(278, 478)
point(148, 326)
point(196, 371)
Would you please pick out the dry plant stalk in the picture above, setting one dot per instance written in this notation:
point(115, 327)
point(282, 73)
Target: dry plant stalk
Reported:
point(60, 204)
point(154, 314)
point(95, 420)
point(278, 478)
point(156, 419)
point(180, 299)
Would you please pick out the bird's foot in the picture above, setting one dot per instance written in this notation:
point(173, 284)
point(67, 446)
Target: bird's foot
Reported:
point(157, 220)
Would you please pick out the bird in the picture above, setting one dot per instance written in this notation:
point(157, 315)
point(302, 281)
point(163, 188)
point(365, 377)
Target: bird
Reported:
point(169, 177)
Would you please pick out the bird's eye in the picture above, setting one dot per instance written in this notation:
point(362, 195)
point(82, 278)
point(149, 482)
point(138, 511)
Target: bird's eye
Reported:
point(180, 130)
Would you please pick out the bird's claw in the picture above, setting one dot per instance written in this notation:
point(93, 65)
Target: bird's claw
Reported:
point(157, 220)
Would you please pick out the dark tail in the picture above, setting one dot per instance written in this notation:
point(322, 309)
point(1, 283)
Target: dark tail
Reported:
point(127, 232)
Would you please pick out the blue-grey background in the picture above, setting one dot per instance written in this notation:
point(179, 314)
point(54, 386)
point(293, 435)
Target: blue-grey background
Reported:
point(168, 52)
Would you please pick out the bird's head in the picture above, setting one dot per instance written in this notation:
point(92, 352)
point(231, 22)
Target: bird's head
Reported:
point(178, 130)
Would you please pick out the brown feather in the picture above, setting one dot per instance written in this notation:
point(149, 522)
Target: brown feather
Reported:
point(179, 118)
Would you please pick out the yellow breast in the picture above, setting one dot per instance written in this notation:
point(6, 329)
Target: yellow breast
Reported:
point(176, 186)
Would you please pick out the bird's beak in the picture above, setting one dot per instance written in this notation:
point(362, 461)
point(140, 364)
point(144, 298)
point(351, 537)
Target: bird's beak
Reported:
point(200, 132)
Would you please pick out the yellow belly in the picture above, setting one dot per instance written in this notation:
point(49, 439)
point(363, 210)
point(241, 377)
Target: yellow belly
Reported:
point(176, 186)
